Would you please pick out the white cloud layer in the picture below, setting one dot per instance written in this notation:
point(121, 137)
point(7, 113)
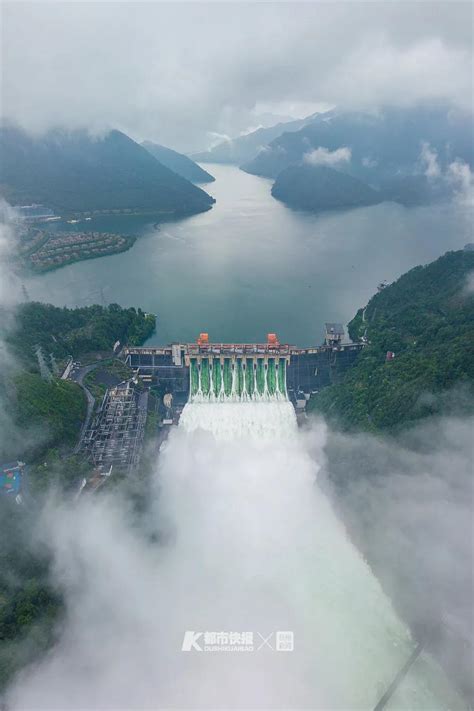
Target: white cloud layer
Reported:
point(460, 175)
point(323, 156)
point(251, 543)
point(469, 287)
point(173, 72)
point(457, 175)
point(429, 161)
point(9, 282)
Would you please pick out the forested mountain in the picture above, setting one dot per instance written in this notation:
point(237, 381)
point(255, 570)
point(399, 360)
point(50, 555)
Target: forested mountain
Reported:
point(41, 421)
point(64, 332)
point(178, 163)
point(243, 148)
point(318, 188)
point(426, 318)
point(47, 413)
point(394, 142)
point(73, 172)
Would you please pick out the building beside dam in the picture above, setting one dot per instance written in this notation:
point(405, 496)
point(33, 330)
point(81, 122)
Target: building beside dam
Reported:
point(225, 370)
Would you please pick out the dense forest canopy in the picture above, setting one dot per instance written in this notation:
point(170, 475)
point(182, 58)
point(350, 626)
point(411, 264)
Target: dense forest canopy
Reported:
point(426, 318)
point(49, 413)
point(65, 332)
point(72, 172)
point(315, 188)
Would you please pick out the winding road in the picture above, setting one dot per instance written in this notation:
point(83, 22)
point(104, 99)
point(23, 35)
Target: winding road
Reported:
point(77, 376)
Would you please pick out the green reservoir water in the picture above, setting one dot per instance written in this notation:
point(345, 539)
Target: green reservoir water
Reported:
point(251, 265)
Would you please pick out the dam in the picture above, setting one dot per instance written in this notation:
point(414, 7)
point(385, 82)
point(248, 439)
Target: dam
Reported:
point(240, 372)
point(255, 546)
point(207, 371)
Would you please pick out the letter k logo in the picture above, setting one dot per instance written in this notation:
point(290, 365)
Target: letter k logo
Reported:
point(190, 641)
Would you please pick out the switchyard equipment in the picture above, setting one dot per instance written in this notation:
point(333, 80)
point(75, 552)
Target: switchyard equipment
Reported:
point(115, 437)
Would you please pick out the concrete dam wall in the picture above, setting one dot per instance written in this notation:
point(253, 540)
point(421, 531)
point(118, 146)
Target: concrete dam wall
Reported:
point(243, 370)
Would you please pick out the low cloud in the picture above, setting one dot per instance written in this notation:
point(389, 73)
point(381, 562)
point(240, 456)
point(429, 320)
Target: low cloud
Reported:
point(242, 537)
point(10, 295)
point(369, 162)
point(429, 161)
point(457, 176)
point(408, 504)
point(461, 178)
point(356, 55)
point(217, 138)
point(469, 286)
point(9, 281)
point(323, 156)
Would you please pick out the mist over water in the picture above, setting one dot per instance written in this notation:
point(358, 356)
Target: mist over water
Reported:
point(252, 544)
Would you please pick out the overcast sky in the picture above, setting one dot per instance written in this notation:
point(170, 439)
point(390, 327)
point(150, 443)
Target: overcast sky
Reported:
point(183, 73)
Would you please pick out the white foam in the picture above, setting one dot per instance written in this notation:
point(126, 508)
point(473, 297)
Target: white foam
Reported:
point(258, 421)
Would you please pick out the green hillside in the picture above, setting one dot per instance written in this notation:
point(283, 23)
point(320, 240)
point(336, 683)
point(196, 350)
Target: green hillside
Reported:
point(40, 422)
point(75, 173)
point(317, 188)
point(41, 416)
point(178, 163)
point(65, 332)
point(427, 319)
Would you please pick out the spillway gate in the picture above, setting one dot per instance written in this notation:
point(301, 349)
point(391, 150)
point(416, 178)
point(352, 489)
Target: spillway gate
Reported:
point(222, 378)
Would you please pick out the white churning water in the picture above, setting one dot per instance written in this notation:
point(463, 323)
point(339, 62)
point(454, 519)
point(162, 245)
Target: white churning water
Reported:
point(252, 545)
point(294, 568)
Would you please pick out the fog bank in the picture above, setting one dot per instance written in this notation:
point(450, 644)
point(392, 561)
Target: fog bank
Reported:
point(240, 538)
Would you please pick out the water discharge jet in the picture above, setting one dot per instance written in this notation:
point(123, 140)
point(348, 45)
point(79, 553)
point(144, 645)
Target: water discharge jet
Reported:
point(243, 378)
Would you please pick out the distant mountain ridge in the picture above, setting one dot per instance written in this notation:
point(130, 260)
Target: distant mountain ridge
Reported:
point(426, 319)
point(74, 173)
point(178, 163)
point(411, 156)
point(244, 148)
point(382, 145)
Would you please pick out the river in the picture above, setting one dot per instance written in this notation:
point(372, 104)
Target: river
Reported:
point(251, 265)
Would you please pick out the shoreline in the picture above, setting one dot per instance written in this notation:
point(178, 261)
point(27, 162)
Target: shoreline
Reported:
point(130, 241)
point(127, 212)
